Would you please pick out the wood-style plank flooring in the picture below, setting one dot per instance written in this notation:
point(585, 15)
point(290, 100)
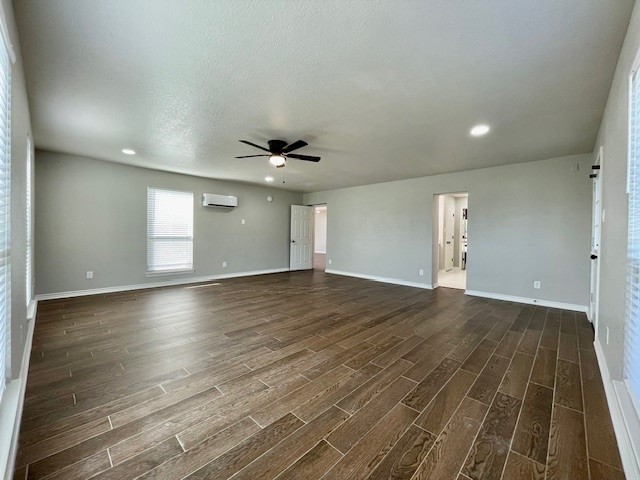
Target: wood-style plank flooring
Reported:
point(308, 375)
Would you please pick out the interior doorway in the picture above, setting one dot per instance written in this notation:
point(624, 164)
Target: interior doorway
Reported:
point(320, 237)
point(450, 255)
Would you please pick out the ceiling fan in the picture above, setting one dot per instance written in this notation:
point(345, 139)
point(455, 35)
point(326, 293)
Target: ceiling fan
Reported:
point(279, 152)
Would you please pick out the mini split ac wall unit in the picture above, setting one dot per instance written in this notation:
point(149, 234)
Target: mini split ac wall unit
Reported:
point(215, 200)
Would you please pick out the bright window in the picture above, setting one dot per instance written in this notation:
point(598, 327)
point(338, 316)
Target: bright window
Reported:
point(5, 212)
point(29, 261)
point(632, 333)
point(169, 231)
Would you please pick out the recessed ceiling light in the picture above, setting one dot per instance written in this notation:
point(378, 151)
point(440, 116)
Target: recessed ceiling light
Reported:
point(480, 130)
point(268, 178)
point(128, 151)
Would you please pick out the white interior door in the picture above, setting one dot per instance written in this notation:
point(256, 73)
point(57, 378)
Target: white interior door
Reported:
point(449, 232)
point(596, 224)
point(301, 250)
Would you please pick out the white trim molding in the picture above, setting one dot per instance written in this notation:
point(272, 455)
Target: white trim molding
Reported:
point(529, 301)
point(167, 283)
point(6, 36)
point(375, 278)
point(31, 309)
point(11, 409)
point(624, 417)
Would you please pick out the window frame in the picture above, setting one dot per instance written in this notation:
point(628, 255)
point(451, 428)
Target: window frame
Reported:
point(634, 76)
point(149, 272)
point(5, 176)
point(29, 222)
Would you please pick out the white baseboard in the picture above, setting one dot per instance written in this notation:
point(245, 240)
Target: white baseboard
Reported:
point(395, 281)
point(167, 283)
point(624, 417)
point(530, 301)
point(11, 409)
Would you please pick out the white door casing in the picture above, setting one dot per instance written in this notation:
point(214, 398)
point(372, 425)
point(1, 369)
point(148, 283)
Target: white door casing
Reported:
point(596, 226)
point(301, 245)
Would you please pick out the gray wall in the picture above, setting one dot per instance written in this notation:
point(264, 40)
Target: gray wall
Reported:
point(526, 222)
point(92, 216)
point(613, 256)
point(20, 130)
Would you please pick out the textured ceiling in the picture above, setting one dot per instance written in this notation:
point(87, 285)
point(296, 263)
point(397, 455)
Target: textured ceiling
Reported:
point(382, 90)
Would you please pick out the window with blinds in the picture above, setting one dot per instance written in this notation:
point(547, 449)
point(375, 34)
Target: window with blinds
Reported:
point(28, 278)
point(632, 333)
point(5, 211)
point(169, 231)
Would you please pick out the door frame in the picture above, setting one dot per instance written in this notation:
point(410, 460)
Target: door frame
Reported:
point(435, 230)
point(326, 234)
point(596, 243)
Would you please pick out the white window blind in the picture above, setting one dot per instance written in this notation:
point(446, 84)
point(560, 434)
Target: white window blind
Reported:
point(632, 333)
point(5, 211)
point(169, 231)
point(28, 277)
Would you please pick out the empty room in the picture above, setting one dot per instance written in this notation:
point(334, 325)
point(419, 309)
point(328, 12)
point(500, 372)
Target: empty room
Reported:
point(320, 239)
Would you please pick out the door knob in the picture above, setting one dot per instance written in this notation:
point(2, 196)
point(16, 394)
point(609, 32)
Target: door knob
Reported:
point(593, 257)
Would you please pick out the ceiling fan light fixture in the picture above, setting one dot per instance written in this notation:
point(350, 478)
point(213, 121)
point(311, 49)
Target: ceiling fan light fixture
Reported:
point(277, 160)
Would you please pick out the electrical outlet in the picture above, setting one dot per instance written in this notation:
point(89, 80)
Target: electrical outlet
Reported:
point(329, 261)
point(243, 222)
point(537, 285)
point(607, 336)
point(421, 272)
point(224, 264)
point(89, 274)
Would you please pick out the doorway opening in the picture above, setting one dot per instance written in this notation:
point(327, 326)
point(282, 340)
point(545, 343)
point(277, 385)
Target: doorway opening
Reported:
point(450, 249)
point(320, 237)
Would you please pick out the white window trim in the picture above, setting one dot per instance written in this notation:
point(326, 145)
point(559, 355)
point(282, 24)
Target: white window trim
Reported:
point(161, 273)
point(623, 402)
point(635, 68)
point(11, 397)
point(4, 29)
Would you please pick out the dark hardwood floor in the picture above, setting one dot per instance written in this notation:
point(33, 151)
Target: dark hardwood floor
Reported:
point(308, 375)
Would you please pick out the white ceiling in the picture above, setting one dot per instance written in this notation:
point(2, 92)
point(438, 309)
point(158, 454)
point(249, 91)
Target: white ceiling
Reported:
point(382, 90)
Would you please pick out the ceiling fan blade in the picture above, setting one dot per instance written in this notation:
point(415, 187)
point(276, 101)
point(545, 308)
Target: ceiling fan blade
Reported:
point(294, 146)
point(254, 145)
point(308, 158)
point(249, 156)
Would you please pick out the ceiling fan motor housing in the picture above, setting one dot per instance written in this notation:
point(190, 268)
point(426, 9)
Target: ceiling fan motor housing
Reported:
point(276, 146)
